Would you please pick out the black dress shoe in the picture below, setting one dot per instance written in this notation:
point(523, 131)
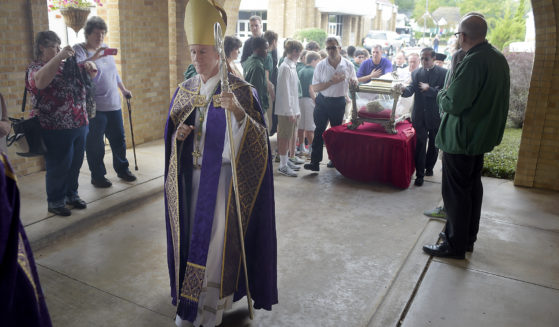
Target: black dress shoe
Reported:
point(312, 166)
point(78, 204)
point(60, 211)
point(127, 176)
point(102, 183)
point(442, 250)
point(330, 164)
point(469, 248)
point(429, 172)
point(418, 181)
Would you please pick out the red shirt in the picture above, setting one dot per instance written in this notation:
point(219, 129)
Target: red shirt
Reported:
point(56, 105)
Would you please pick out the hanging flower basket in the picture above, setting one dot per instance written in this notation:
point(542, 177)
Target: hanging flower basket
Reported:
point(75, 17)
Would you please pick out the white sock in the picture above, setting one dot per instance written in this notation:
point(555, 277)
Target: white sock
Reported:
point(283, 161)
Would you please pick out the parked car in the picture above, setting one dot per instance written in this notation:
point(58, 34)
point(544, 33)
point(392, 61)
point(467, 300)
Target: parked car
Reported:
point(389, 40)
point(406, 39)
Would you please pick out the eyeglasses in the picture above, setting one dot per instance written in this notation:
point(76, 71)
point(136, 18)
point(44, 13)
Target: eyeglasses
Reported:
point(331, 48)
point(457, 34)
point(54, 46)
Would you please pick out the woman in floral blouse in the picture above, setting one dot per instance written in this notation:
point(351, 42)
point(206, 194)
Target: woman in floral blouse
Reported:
point(60, 105)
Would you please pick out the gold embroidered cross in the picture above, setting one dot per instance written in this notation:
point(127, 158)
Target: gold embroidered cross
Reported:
point(196, 155)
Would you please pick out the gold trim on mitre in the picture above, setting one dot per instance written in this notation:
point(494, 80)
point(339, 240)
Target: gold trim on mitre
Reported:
point(199, 19)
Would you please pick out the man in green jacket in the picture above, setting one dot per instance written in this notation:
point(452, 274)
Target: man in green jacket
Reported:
point(474, 107)
point(254, 70)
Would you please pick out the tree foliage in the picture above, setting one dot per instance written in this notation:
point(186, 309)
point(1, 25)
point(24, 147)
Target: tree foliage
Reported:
point(405, 6)
point(505, 18)
point(312, 34)
point(509, 28)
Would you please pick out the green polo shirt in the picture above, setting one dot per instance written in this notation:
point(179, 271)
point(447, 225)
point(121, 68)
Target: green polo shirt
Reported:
point(305, 79)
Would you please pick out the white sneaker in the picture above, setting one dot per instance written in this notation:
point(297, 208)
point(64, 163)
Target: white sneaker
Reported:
point(303, 153)
point(293, 166)
point(286, 171)
point(297, 160)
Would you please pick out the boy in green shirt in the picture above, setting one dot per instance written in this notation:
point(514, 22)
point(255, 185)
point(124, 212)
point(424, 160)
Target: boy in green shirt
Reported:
point(255, 72)
point(306, 101)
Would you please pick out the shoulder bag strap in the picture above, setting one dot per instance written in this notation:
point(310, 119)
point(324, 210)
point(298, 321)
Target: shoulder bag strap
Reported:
point(25, 92)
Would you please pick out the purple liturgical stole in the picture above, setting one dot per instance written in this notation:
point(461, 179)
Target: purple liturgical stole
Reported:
point(205, 206)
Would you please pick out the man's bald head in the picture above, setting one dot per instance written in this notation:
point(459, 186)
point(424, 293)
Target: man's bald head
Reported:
point(474, 27)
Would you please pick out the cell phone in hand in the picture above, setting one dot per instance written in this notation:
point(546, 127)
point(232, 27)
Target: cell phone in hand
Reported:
point(110, 52)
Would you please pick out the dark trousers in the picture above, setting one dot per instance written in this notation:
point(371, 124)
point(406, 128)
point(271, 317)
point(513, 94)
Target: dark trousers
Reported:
point(107, 123)
point(63, 161)
point(425, 150)
point(462, 195)
point(326, 110)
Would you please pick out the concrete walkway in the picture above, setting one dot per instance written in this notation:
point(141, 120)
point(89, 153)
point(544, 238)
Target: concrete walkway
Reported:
point(348, 254)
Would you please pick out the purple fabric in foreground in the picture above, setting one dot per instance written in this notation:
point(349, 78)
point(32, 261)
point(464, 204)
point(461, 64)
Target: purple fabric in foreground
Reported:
point(21, 298)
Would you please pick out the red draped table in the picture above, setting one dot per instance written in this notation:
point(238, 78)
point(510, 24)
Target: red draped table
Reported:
point(370, 154)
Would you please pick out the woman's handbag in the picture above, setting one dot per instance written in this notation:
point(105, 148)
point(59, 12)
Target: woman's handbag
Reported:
point(27, 137)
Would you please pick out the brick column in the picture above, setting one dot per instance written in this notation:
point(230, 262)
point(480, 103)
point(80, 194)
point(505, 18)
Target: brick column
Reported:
point(538, 161)
point(276, 17)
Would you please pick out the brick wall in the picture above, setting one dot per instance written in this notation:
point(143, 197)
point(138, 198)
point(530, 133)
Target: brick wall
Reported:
point(538, 161)
point(19, 22)
point(140, 28)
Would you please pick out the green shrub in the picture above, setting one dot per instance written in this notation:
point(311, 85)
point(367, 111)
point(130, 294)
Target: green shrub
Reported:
point(501, 162)
point(312, 34)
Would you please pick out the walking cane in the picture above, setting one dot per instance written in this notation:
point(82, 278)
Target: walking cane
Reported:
point(225, 88)
point(128, 97)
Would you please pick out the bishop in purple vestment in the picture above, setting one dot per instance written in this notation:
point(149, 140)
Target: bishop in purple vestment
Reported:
point(204, 249)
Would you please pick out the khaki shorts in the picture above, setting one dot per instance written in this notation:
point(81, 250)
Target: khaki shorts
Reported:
point(286, 128)
point(307, 111)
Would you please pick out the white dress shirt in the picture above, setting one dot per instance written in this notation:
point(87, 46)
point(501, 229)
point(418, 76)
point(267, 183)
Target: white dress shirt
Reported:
point(324, 72)
point(287, 90)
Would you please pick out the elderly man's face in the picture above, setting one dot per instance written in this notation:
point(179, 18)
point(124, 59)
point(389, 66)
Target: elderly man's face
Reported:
point(400, 59)
point(413, 62)
point(205, 59)
point(256, 27)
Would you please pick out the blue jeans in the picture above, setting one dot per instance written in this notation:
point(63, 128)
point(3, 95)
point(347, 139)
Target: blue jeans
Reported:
point(64, 158)
point(107, 123)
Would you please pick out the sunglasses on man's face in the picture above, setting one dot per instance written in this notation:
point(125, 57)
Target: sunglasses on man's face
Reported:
point(331, 48)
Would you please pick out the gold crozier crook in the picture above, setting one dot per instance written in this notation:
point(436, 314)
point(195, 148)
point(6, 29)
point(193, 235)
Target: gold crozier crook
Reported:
point(225, 88)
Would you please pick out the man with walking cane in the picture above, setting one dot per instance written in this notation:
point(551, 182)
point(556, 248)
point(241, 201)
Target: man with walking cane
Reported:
point(203, 237)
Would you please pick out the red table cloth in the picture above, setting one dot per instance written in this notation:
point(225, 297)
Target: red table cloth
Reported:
point(370, 154)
